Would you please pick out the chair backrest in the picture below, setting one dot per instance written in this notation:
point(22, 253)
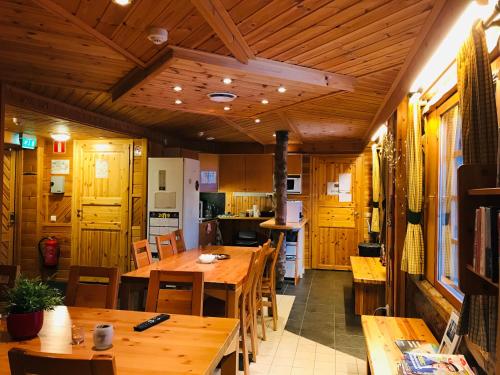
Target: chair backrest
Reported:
point(23, 362)
point(8, 276)
point(252, 271)
point(271, 270)
point(94, 290)
point(141, 253)
point(183, 293)
point(165, 245)
point(260, 265)
point(178, 236)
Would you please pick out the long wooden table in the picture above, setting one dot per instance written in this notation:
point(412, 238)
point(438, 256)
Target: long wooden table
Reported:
point(380, 333)
point(223, 279)
point(369, 284)
point(183, 344)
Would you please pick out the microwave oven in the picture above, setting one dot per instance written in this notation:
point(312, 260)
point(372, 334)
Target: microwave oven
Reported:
point(294, 184)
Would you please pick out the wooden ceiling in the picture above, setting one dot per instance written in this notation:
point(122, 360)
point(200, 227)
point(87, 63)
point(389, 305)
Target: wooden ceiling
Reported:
point(340, 60)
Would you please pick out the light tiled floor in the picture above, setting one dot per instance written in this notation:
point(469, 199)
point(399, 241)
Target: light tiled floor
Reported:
point(285, 352)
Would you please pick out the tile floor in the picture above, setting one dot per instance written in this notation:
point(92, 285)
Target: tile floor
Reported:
point(317, 330)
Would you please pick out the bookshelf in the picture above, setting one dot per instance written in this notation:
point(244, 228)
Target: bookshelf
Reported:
point(476, 188)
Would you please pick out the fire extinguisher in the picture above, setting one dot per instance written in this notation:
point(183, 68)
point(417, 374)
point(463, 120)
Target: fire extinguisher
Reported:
point(48, 248)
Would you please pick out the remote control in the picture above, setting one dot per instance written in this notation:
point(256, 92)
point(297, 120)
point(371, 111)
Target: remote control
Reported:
point(151, 322)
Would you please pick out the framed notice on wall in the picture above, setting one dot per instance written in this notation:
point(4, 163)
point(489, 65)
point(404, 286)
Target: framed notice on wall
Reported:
point(59, 166)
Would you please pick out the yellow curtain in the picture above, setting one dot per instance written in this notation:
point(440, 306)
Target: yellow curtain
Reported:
point(449, 119)
point(375, 227)
point(413, 252)
point(475, 87)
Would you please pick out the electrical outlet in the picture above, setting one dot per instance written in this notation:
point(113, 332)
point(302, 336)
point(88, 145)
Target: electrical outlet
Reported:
point(53, 218)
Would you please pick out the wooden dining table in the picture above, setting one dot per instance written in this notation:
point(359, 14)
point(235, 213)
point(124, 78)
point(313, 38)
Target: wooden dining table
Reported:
point(181, 345)
point(223, 278)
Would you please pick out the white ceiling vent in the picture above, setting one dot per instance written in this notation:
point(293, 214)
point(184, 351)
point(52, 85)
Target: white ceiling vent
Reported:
point(157, 35)
point(221, 97)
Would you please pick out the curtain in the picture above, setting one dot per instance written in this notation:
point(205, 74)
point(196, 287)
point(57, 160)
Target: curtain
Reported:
point(450, 120)
point(413, 252)
point(475, 87)
point(375, 227)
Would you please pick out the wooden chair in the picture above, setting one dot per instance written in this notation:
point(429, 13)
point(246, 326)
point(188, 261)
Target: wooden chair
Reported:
point(188, 299)
point(141, 253)
point(246, 312)
point(165, 245)
point(23, 362)
point(268, 285)
point(258, 309)
point(94, 292)
point(178, 236)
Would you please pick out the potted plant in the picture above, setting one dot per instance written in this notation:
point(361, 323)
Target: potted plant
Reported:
point(26, 303)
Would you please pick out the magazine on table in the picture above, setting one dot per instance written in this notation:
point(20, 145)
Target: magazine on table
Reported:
point(435, 363)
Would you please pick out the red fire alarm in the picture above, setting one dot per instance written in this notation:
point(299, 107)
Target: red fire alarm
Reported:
point(59, 147)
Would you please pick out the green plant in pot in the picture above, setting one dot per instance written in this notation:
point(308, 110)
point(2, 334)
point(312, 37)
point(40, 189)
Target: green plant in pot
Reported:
point(26, 303)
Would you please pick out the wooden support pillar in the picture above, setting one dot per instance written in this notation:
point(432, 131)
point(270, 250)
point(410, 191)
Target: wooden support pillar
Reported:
point(280, 175)
point(3, 99)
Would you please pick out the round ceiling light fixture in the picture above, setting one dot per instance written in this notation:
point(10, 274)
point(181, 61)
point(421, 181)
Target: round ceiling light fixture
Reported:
point(178, 101)
point(221, 97)
point(227, 80)
point(177, 88)
point(123, 3)
point(60, 137)
point(282, 89)
point(264, 101)
point(157, 35)
point(257, 120)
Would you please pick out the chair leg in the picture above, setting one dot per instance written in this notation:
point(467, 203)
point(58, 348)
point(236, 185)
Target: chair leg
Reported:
point(243, 332)
point(263, 322)
point(253, 333)
point(275, 311)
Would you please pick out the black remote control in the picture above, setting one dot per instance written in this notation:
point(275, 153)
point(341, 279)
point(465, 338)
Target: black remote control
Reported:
point(151, 322)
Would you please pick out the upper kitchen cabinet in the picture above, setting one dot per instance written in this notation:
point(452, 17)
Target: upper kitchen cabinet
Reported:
point(294, 164)
point(259, 173)
point(209, 173)
point(232, 173)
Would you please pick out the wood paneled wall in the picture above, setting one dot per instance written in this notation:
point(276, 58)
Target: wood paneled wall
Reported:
point(366, 191)
point(236, 203)
point(38, 204)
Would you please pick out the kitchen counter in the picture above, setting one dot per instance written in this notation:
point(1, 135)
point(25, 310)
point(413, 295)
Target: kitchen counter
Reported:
point(271, 224)
point(227, 217)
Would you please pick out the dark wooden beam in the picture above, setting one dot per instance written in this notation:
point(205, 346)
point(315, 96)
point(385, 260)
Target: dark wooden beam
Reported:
point(280, 175)
point(438, 23)
point(216, 15)
point(24, 99)
point(2, 131)
point(58, 10)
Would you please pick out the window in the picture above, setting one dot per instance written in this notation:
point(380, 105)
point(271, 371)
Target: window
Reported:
point(450, 158)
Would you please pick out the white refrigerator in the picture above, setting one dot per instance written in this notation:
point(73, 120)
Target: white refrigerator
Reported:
point(173, 199)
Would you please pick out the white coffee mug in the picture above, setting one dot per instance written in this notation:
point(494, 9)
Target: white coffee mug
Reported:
point(103, 336)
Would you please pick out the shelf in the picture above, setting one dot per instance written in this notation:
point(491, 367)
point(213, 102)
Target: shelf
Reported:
point(485, 191)
point(487, 279)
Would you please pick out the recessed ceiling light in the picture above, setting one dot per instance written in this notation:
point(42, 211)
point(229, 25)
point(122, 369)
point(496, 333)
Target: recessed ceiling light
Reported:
point(227, 80)
point(201, 134)
point(178, 101)
point(264, 101)
point(257, 120)
point(177, 88)
point(274, 135)
point(210, 138)
point(123, 3)
point(282, 89)
point(227, 108)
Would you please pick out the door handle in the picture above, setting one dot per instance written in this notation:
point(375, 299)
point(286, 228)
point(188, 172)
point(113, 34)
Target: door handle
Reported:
point(78, 213)
point(12, 218)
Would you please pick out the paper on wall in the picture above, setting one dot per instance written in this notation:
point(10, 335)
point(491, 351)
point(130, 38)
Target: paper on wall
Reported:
point(345, 197)
point(345, 182)
point(101, 168)
point(59, 166)
point(332, 188)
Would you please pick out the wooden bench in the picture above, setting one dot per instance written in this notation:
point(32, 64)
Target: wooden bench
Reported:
point(369, 284)
point(380, 333)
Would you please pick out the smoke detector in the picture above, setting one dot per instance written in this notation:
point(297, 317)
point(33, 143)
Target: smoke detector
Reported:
point(157, 35)
point(221, 97)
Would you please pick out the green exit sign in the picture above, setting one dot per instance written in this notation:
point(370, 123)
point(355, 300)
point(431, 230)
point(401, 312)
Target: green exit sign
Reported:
point(28, 141)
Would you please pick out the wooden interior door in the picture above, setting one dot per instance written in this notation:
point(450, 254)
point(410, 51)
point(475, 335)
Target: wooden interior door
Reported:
point(101, 215)
point(8, 201)
point(335, 224)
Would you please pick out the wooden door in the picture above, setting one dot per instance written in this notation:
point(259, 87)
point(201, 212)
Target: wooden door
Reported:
point(8, 199)
point(101, 215)
point(335, 224)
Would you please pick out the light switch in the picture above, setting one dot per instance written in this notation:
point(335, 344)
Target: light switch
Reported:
point(53, 218)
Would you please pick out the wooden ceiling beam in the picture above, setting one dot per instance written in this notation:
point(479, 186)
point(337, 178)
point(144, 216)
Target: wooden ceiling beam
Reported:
point(443, 15)
point(283, 72)
point(288, 122)
point(58, 10)
point(216, 15)
point(241, 129)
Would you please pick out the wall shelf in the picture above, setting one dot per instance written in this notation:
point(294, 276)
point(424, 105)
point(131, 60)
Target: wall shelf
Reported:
point(487, 279)
point(485, 191)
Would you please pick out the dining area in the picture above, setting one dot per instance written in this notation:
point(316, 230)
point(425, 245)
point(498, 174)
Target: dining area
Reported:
point(197, 311)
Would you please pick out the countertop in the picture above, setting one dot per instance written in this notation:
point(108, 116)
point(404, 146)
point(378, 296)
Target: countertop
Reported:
point(227, 217)
point(271, 224)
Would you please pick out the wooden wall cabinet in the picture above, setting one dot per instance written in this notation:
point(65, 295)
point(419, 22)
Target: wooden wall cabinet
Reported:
point(294, 164)
point(209, 163)
point(246, 173)
point(231, 173)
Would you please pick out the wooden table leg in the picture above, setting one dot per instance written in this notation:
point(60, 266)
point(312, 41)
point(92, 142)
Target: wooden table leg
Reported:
point(229, 364)
point(125, 291)
point(233, 297)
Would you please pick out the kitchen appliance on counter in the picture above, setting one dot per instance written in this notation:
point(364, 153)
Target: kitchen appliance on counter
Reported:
point(294, 184)
point(293, 211)
point(173, 199)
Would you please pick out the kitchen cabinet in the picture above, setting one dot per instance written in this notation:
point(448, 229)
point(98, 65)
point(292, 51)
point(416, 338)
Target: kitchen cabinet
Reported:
point(246, 173)
point(294, 164)
point(209, 163)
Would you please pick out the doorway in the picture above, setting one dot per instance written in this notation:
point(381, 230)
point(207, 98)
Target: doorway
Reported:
point(8, 207)
point(336, 210)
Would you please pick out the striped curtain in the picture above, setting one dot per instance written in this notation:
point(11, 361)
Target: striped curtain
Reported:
point(375, 227)
point(413, 252)
point(480, 145)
